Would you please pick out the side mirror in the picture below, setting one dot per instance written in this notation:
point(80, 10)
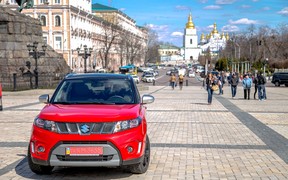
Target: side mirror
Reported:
point(147, 99)
point(44, 98)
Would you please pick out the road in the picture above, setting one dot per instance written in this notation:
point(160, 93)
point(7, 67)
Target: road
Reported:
point(230, 139)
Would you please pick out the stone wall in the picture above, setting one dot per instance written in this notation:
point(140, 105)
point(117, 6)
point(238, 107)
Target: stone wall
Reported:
point(16, 31)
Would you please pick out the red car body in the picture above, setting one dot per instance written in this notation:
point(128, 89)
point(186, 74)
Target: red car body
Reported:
point(84, 135)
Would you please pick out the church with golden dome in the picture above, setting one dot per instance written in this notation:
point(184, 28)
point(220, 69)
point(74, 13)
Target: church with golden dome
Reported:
point(213, 41)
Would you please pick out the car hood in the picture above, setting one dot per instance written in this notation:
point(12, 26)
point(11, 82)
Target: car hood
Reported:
point(90, 113)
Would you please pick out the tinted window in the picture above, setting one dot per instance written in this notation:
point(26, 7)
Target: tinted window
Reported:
point(90, 91)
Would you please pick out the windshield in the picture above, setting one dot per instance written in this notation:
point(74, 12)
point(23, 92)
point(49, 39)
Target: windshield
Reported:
point(95, 91)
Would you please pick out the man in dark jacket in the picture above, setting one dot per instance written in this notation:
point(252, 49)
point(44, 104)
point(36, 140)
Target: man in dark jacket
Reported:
point(261, 87)
point(234, 83)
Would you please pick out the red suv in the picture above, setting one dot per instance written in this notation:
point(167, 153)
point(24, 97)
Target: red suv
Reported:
point(91, 120)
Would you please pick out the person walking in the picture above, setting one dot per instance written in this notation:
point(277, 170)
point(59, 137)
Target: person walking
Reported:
point(234, 83)
point(173, 81)
point(255, 82)
point(210, 81)
point(247, 84)
point(261, 87)
point(181, 80)
point(220, 82)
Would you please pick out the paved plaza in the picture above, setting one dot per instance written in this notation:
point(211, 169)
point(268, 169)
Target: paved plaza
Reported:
point(230, 139)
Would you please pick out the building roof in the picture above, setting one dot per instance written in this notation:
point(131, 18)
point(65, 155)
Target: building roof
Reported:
point(168, 47)
point(101, 7)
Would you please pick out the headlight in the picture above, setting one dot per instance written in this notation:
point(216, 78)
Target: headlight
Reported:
point(44, 124)
point(128, 124)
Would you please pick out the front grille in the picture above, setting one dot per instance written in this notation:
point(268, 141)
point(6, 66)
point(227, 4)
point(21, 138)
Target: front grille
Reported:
point(85, 128)
point(84, 158)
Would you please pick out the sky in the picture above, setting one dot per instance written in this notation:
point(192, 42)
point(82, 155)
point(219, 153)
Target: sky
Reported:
point(169, 17)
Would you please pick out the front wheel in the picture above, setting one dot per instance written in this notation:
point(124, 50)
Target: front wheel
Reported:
point(142, 166)
point(36, 168)
point(277, 83)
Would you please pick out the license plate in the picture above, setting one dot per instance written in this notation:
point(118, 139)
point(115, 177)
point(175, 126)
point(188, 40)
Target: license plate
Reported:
point(84, 151)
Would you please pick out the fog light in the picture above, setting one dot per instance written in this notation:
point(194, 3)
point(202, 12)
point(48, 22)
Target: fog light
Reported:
point(129, 149)
point(41, 149)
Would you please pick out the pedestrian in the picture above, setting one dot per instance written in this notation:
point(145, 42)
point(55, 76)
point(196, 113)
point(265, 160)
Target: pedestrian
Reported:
point(255, 81)
point(173, 81)
point(247, 84)
point(220, 82)
point(181, 80)
point(261, 87)
point(210, 81)
point(234, 83)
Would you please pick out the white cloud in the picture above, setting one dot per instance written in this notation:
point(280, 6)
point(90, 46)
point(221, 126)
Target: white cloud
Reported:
point(230, 28)
point(245, 6)
point(203, 1)
point(183, 8)
point(177, 34)
point(158, 27)
point(284, 11)
point(212, 7)
point(243, 21)
point(266, 8)
point(224, 1)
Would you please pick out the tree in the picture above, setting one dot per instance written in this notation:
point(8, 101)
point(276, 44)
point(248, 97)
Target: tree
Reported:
point(151, 52)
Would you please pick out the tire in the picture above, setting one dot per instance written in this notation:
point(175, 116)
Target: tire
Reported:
point(143, 166)
point(277, 83)
point(36, 168)
point(286, 85)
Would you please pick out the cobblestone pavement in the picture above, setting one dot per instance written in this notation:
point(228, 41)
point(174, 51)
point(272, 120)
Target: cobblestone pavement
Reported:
point(230, 139)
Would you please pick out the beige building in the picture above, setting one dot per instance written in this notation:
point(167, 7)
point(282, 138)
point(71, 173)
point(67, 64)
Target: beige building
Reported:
point(70, 24)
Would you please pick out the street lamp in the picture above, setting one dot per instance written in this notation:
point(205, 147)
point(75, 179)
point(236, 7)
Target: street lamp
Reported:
point(36, 54)
point(265, 62)
point(85, 55)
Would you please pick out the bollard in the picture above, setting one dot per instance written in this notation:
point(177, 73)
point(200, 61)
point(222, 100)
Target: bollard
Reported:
point(1, 107)
point(153, 82)
point(14, 81)
point(186, 82)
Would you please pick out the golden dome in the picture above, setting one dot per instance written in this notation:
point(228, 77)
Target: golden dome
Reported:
point(215, 31)
point(227, 36)
point(202, 36)
point(190, 24)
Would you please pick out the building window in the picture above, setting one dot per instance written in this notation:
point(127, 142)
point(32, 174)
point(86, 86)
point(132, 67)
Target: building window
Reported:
point(13, 2)
point(58, 42)
point(191, 42)
point(41, 1)
point(57, 1)
point(45, 39)
point(43, 20)
point(57, 21)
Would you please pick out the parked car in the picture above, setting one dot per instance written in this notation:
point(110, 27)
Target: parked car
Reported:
point(91, 120)
point(148, 78)
point(136, 79)
point(202, 74)
point(279, 78)
point(191, 74)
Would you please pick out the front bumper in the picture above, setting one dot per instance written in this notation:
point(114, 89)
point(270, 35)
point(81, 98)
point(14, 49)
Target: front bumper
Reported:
point(115, 148)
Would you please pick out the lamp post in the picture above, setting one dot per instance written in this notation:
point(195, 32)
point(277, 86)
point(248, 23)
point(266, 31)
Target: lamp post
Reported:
point(265, 62)
point(36, 54)
point(85, 54)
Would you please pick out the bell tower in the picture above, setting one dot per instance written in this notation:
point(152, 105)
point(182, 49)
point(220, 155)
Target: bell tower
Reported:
point(190, 41)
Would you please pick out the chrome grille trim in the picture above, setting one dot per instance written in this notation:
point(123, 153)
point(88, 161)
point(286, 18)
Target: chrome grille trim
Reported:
point(94, 128)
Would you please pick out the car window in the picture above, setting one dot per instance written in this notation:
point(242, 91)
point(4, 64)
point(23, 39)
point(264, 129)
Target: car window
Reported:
point(94, 91)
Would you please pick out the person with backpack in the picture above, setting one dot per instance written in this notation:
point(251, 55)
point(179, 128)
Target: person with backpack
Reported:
point(261, 87)
point(247, 84)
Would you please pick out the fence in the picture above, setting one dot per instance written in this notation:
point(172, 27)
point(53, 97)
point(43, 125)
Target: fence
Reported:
point(16, 82)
